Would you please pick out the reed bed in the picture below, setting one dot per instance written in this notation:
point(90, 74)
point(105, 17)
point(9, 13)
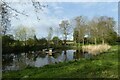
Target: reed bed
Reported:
point(96, 49)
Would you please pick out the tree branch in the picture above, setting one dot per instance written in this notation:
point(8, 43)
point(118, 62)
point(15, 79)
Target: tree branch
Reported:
point(14, 9)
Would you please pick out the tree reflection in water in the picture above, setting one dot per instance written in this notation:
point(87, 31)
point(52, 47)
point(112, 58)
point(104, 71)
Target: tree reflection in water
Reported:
point(65, 55)
point(50, 59)
point(39, 59)
point(78, 54)
point(56, 56)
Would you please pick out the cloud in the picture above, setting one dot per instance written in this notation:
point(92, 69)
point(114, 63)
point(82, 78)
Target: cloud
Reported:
point(41, 26)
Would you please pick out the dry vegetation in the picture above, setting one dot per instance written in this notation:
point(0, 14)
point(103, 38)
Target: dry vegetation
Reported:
point(96, 49)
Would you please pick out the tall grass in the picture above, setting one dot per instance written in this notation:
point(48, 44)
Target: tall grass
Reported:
point(96, 49)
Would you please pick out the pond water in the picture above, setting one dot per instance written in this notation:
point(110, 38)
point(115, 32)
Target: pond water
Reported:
point(38, 59)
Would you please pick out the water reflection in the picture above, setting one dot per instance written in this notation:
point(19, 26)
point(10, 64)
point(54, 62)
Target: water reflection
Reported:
point(78, 54)
point(65, 55)
point(39, 59)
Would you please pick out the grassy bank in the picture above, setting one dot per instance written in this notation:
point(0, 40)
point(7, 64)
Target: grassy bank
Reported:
point(104, 65)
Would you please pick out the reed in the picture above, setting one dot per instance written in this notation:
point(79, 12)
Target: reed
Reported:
point(96, 49)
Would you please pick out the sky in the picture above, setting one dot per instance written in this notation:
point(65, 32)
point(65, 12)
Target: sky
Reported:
point(57, 11)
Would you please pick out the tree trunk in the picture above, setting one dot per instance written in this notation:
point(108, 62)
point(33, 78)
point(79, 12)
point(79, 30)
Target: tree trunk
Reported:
point(95, 41)
point(83, 45)
point(65, 42)
point(83, 41)
point(103, 41)
point(102, 38)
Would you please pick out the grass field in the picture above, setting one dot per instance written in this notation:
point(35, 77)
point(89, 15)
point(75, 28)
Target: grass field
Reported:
point(104, 65)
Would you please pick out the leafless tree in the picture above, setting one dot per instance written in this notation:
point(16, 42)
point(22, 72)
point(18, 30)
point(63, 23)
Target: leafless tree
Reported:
point(65, 28)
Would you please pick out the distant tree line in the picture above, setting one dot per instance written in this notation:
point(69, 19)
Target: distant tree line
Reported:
point(95, 31)
point(24, 39)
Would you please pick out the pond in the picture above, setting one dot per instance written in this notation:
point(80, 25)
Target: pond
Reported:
point(38, 59)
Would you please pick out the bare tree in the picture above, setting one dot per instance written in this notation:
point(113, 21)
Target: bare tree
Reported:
point(23, 33)
point(65, 28)
point(50, 34)
point(80, 29)
point(93, 29)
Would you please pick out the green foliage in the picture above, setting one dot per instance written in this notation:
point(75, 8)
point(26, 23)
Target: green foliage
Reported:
point(31, 42)
point(56, 40)
point(42, 41)
point(10, 45)
point(118, 38)
point(7, 40)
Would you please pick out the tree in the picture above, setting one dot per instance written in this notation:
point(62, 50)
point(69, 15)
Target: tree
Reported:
point(65, 28)
point(5, 18)
point(49, 37)
point(102, 29)
point(38, 6)
point(50, 33)
point(80, 29)
point(31, 42)
point(23, 33)
point(7, 40)
point(35, 40)
point(106, 29)
point(93, 30)
point(6, 10)
point(42, 41)
point(7, 43)
point(56, 40)
point(118, 38)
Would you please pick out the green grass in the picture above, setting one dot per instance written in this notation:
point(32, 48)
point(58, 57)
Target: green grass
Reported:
point(104, 65)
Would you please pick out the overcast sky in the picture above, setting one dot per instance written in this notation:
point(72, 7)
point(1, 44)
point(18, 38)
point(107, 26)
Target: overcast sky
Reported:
point(58, 11)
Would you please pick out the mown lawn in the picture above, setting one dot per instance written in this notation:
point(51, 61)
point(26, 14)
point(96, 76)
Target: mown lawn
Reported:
point(104, 65)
